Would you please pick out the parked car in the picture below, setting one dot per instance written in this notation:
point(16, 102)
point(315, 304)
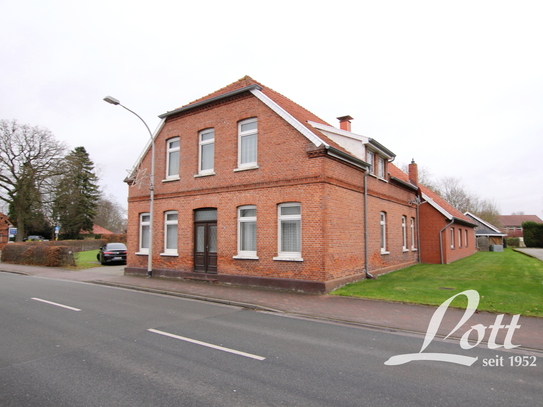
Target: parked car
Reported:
point(111, 253)
point(34, 238)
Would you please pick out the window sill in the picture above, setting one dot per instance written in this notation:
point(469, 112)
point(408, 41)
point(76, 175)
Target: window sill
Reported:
point(280, 258)
point(142, 253)
point(252, 167)
point(414, 249)
point(239, 257)
point(204, 175)
point(171, 179)
point(169, 254)
point(384, 252)
point(405, 250)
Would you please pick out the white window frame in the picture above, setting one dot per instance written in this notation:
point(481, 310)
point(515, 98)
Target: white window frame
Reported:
point(201, 144)
point(144, 224)
point(241, 135)
point(168, 223)
point(459, 238)
point(370, 156)
point(284, 255)
point(169, 152)
point(242, 220)
point(467, 237)
point(413, 235)
point(453, 238)
point(383, 230)
point(404, 233)
point(381, 167)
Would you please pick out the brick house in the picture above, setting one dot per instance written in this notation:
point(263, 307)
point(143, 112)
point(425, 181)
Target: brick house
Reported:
point(512, 224)
point(5, 224)
point(251, 188)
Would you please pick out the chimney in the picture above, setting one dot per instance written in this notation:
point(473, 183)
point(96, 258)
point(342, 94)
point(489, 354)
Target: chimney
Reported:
point(345, 122)
point(413, 173)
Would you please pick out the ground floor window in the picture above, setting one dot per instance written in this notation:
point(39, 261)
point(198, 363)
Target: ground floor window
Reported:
point(145, 232)
point(413, 235)
point(383, 227)
point(247, 231)
point(290, 230)
point(170, 232)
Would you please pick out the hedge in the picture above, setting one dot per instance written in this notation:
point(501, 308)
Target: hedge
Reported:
point(533, 234)
point(38, 254)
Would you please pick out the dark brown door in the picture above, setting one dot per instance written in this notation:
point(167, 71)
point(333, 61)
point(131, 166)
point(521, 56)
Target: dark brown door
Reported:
point(205, 242)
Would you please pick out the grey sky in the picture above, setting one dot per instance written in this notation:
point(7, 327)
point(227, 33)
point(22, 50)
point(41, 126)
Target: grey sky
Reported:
point(456, 85)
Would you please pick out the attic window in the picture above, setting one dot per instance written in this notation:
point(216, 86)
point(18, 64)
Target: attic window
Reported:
point(380, 167)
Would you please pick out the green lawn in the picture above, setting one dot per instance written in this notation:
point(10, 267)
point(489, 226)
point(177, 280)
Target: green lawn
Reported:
point(508, 282)
point(85, 260)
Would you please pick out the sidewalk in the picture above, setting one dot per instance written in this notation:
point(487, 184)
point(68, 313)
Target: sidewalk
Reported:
point(371, 313)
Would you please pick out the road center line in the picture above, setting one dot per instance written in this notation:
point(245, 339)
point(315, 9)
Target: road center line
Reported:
point(209, 345)
point(58, 305)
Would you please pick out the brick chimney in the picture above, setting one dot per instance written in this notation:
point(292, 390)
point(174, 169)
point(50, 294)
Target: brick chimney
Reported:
point(413, 173)
point(345, 122)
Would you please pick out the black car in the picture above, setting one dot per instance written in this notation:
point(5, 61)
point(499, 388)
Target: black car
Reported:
point(111, 253)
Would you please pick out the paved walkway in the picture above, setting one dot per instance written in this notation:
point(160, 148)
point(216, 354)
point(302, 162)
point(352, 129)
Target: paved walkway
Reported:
point(376, 314)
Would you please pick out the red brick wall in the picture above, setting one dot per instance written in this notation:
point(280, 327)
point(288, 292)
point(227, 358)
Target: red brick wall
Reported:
point(432, 222)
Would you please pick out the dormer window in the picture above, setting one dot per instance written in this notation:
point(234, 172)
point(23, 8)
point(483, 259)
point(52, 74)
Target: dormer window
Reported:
point(380, 167)
point(370, 158)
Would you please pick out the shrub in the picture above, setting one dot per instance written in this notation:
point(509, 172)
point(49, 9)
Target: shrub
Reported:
point(38, 254)
point(513, 242)
point(118, 238)
point(533, 234)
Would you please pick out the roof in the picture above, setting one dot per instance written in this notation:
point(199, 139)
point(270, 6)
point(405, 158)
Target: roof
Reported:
point(518, 220)
point(441, 205)
point(98, 230)
point(484, 228)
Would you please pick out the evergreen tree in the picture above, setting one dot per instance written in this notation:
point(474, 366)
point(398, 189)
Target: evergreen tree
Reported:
point(77, 195)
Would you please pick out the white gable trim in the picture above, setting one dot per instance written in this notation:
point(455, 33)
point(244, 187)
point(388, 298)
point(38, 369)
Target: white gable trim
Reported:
point(488, 225)
point(436, 206)
point(334, 130)
point(288, 118)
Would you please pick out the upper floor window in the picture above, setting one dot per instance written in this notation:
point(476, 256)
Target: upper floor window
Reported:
point(381, 167)
point(170, 232)
point(172, 158)
point(383, 228)
point(145, 232)
point(290, 230)
point(247, 143)
point(370, 157)
point(247, 231)
point(206, 151)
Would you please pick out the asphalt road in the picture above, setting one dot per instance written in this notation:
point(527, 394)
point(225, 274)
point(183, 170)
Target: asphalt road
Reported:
point(65, 343)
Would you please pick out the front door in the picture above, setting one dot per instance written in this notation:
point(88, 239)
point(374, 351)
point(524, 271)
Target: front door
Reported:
point(205, 241)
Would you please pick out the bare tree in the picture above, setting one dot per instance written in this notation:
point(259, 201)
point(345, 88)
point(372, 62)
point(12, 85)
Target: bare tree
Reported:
point(110, 215)
point(30, 158)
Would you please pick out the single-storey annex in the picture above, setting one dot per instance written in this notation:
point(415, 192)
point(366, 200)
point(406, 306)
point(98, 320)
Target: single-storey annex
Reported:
point(251, 188)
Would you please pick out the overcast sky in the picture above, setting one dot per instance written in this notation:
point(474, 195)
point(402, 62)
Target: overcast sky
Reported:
point(456, 85)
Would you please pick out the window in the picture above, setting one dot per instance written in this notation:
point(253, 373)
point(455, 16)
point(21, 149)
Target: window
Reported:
point(145, 232)
point(370, 157)
point(413, 235)
point(383, 225)
point(172, 158)
point(466, 238)
point(404, 233)
point(380, 167)
point(247, 143)
point(247, 231)
point(207, 152)
point(459, 237)
point(452, 238)
point(170, 232)
point(290, 231)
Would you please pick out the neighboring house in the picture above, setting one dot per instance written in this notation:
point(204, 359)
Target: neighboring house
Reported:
point(97, 230)
point(489, 237)
point(446, 234)
point(251, 188)
point(5, 224)
point(512, 224)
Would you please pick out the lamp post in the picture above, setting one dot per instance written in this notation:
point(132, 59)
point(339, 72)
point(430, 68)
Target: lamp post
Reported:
point(114, 101)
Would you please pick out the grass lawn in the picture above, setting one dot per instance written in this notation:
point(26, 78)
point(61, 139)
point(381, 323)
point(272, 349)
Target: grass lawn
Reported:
point(85, 260)
point(508, 282)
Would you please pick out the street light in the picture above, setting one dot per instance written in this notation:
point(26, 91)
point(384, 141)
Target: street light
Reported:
point(114, 101)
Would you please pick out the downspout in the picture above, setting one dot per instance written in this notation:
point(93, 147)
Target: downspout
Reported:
point(366, 249)
point(441, 240)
